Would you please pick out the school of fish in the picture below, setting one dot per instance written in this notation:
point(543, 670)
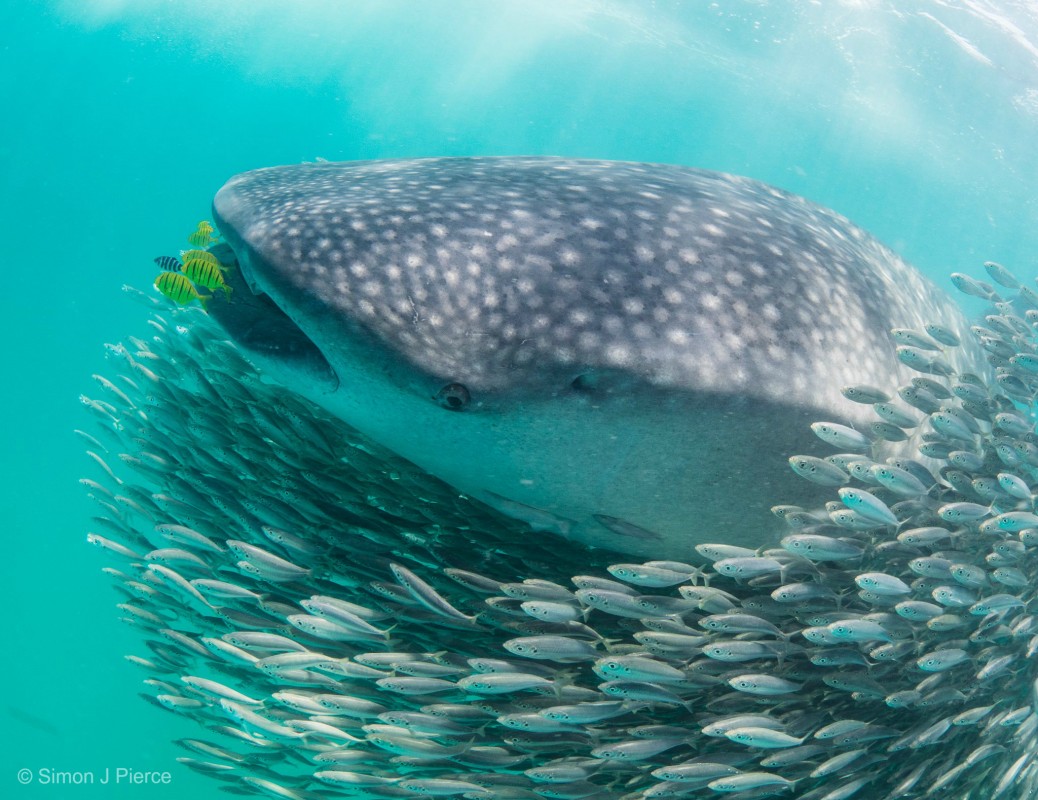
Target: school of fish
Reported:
point(340, 623)
point(181, 278)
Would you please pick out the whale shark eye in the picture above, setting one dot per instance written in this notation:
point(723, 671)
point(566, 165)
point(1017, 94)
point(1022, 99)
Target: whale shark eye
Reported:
point(453, 397)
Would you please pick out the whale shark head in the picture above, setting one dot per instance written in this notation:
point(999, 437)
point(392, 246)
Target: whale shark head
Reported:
point(621, 353)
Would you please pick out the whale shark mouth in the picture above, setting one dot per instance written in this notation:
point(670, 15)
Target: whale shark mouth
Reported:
point(260, 326)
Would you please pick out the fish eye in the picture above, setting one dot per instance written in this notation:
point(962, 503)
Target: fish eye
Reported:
point(453, 397)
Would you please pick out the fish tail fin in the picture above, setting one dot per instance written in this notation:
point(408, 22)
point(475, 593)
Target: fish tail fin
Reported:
point(204, 300)
point(562, 680)
point(609, 644)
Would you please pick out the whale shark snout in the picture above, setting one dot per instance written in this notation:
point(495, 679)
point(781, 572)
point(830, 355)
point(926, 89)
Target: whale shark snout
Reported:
point(624, 354)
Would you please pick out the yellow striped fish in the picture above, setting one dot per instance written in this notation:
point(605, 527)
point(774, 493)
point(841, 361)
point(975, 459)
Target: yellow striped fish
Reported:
point(203, 235)
point(205, 273)
point(201, 255)
point(179, 289)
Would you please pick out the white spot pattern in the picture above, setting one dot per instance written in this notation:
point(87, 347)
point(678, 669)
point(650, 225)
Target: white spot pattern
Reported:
point(508, 272)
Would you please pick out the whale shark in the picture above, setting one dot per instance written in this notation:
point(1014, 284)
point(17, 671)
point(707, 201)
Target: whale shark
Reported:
point(340, 620)
point(607, 351)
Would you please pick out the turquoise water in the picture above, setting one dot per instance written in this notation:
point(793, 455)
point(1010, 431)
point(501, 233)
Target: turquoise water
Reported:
point(122, 120)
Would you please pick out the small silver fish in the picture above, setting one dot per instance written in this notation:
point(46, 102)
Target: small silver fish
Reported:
point(868, 505)
point(426, 595)
point(502, 683)
point(549, 611)
point(554, 648)
point(1001, 275)
point(762, 684)
point(858, 630)
point(821, 548)
point(941, 660)
point(745, 568)
point(883, 584)
point(636, 668)
point(652, 575)
point(942, 334)
point(911, 338)
point(747, 781)
point(764, 738)
point(818, 470)
point(840, 436)
point(900, 481)
point(922, 361)
point(867, 395)
point(975, 288)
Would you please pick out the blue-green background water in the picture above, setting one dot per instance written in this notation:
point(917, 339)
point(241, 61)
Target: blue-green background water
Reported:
point(917, 120)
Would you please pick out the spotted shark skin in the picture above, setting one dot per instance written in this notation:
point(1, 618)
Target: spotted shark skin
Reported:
point(625, 354)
